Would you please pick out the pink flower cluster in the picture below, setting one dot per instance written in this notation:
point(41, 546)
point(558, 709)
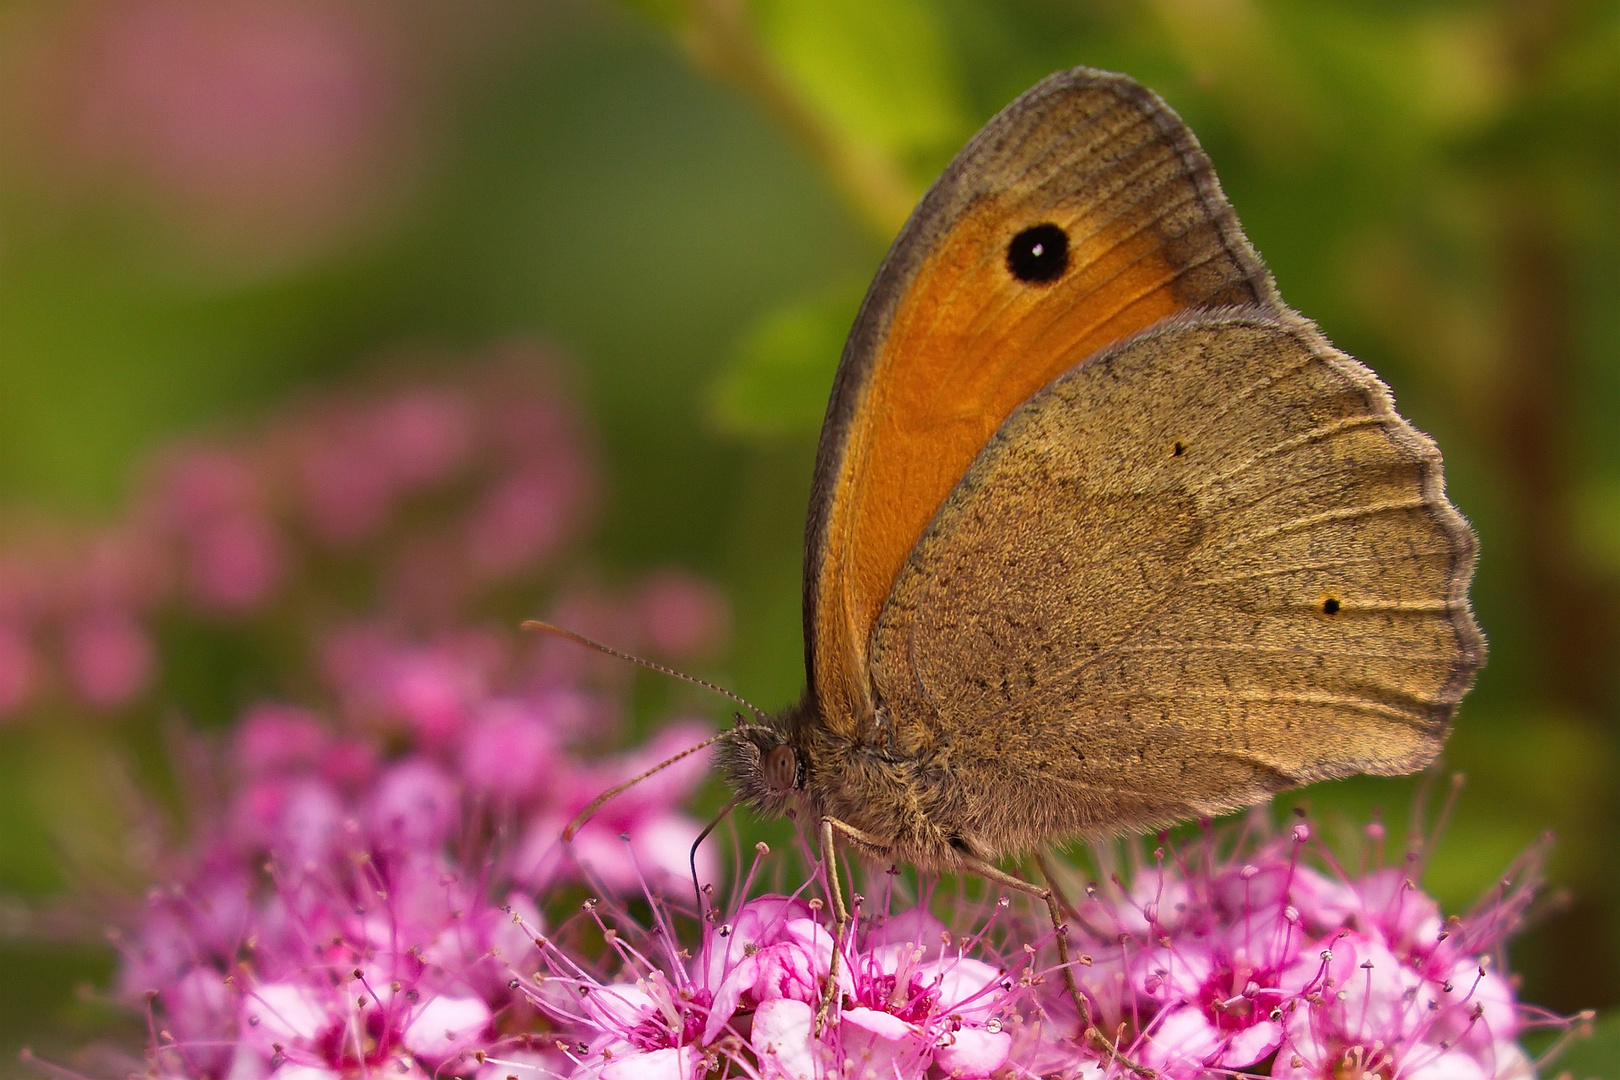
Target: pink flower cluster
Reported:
point(349, 904)
point(1258, 960)
point(258, 128)
point(429, 494)
point(356, 909)
point(1235, 958)
point(911, 1002)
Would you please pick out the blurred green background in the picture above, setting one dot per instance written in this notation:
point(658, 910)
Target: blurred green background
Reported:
point(208, 207)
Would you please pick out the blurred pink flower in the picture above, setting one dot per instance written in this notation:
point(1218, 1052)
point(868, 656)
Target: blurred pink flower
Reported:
point(236, 562)
point(296, 817)
point(510, 751)
point(256, 123)
point(272, 738)
point(683, 615)
point(432, 689)
point(416, 805)
point(109, 657)
point(347, 491)
point(19, 667)
point(524, 518)
point(212, 502)
point(423, 437)
point(121, 567)
point(634, 838)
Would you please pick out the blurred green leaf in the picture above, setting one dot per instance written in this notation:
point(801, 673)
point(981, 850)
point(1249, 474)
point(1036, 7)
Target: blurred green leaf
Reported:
point(778, 376)
point(880, 69)
point(671, 14)
point(1595, 1058)
point(1597, 522)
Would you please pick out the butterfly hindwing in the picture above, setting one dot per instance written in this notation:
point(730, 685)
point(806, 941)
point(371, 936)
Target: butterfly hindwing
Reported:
point(1207, 564)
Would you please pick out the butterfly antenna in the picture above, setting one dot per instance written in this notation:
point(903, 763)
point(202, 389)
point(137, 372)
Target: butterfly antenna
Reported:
point(596, 804)
point(536, 626)
point(725, 811)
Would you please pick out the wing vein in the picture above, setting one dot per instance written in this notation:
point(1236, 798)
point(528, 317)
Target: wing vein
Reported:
point(1310, 521)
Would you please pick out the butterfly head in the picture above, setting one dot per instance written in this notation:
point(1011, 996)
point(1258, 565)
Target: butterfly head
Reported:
point(762, 765)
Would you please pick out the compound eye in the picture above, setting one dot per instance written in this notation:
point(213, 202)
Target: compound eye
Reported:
point(781, 769)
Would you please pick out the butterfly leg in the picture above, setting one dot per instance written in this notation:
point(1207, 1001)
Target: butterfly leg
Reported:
point(829, 854)
point(830, 827)
point(1064, 904)
point(993, 873)
point(1088, 1030)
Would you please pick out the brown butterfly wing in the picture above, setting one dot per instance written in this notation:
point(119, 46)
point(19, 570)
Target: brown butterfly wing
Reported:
point(949, 342)
point(1207, 564)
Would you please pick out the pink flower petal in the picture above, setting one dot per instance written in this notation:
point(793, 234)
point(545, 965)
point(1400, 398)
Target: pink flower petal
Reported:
point(1174, 974)
point(443, 1025)
point(972, 1052)
point(670, 1063)
point(787, 970)
point(1251, 1044)
point(247, 1063)
point(969, 988)
point(1490, 993)
point(661, 845)
point(282, 1013)
point(525, 1065)
point(1451, 1065)
point(738, 981)
point(878, 1044)
point(817, 944)
point(915, 926)
point(1179, 1040)
point(783, 1040)
point(617, 1007)
point(757, 923)
point(292, 1071)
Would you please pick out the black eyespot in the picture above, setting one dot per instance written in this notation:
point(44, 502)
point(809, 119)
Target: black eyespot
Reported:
point(1178, 450)
point(1039, 254)
point(959, 844)
point(1330, 606)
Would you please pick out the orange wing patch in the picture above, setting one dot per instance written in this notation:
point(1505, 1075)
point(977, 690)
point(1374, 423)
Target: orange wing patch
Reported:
point(968, 344)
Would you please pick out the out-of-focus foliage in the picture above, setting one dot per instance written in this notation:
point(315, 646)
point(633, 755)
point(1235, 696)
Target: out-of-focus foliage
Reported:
point(775, 383)
point(1596, 1056)
point(207, 207)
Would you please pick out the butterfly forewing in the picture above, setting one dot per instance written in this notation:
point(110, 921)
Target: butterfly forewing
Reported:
point(965, 322)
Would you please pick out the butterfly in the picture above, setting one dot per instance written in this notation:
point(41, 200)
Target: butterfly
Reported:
point(1102, 535)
